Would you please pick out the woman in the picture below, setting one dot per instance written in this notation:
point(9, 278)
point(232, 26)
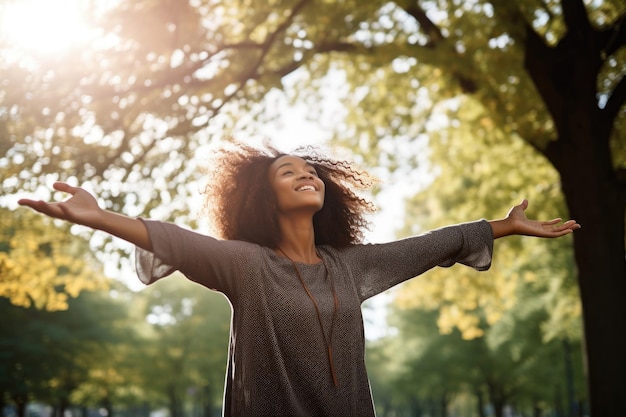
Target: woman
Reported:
point(292, 266)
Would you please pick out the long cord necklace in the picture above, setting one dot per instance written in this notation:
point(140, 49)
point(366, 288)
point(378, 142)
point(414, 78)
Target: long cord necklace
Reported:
point(328, 341)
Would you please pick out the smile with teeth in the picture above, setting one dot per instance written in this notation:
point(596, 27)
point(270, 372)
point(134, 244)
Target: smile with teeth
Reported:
point(306, 188)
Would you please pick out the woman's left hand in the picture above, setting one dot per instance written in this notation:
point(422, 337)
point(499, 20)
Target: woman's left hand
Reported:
point(516, 223)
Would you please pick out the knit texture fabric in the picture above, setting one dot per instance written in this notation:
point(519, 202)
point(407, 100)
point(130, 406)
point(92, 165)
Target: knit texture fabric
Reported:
point(277, 362)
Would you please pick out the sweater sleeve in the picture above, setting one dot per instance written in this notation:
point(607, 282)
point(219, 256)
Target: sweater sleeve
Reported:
point(201, 258)
point(378, 267)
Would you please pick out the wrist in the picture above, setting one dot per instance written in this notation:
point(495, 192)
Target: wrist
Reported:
point(101, 220)
point(502, 227)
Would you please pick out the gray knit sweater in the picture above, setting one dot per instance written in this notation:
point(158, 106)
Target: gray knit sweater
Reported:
point(278, 364)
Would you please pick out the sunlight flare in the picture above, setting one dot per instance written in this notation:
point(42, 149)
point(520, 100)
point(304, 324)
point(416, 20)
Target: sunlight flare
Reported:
point(42, 25)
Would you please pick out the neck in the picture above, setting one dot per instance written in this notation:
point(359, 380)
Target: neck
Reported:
point(298, 240)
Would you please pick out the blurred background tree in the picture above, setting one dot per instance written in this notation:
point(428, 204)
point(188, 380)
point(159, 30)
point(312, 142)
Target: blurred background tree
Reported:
point(133, 101)
point(184, 359)
point(41, 263)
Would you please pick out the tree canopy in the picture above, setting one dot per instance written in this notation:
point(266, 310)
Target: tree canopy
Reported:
point(134, 104)
point(42, 264)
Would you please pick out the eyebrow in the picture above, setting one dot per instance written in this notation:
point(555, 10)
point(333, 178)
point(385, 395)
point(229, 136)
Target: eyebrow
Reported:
point(284, 164)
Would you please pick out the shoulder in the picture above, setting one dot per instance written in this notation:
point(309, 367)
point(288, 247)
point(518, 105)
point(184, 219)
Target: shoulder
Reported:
point(179, 238)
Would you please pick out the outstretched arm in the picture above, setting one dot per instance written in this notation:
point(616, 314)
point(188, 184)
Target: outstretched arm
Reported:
point(516, 223)
point(82, 208)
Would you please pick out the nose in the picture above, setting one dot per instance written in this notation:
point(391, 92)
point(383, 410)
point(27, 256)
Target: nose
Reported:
point(305, 175)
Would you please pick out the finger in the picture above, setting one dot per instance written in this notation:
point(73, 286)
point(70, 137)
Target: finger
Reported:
point(572, 224)
point(524, 204)
point(567, 227)
point(553, 221)
point(568, 223)
point(563, 232)
point(26, 202)
point(39, 205)
point(65, 187)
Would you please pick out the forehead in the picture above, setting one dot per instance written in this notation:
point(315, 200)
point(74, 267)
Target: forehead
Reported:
point(286, 161)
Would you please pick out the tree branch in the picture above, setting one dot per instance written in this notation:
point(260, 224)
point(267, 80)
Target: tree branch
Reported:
point(610, 40)
point(615, 102)
point(253, 73)
point(538, 62)
point(341, 46)
point(576, 18)
point(428, 27)
point(509, 16)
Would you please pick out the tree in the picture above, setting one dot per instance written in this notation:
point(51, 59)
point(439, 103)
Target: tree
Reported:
point(41, 264)
point(50, 354)
point(537, 65)
point(478, 177)
point(188, 340)
point(528, 279)
point(141, 100)
point(512, 365)
point(586, 137)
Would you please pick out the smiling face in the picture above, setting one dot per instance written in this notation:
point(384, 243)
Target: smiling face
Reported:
point(296, 185)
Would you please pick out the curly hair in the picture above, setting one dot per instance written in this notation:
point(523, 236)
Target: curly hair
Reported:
point(242, 204)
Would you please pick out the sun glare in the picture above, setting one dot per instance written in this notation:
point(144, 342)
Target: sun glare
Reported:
point(43, 25)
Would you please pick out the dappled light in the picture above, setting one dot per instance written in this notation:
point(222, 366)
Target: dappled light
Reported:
point(461, 108)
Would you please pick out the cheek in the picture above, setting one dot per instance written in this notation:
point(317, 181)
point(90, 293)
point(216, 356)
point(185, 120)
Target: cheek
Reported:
point(279, 190)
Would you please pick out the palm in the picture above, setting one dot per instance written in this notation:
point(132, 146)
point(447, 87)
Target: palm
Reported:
point(80, 205)
point(549, 228)
point(80, 208)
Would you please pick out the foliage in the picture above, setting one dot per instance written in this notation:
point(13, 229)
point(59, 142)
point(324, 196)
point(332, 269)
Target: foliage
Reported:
point(41, 264)
point(512, 364)
point(134, 108)
point(186, 338)
point(162, 347)
point(128, 109)
point(479, 177)
point(499, 333)
point(49, 354)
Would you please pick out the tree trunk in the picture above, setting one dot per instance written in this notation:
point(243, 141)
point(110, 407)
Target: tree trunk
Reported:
point(416, 407)
point(206, 401)
point(569, 378)
point(599, 249)
point(497, 399)
point(498, 408)
point(20, 408)
point(566, 76)
point(443, 404)
point(558, 403)
point(174, 403)
point(20, 402)
point(107, 404)
point(480, 402)
point(63, 406)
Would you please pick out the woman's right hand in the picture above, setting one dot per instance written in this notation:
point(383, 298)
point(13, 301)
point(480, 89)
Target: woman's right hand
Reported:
point(81, 208)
